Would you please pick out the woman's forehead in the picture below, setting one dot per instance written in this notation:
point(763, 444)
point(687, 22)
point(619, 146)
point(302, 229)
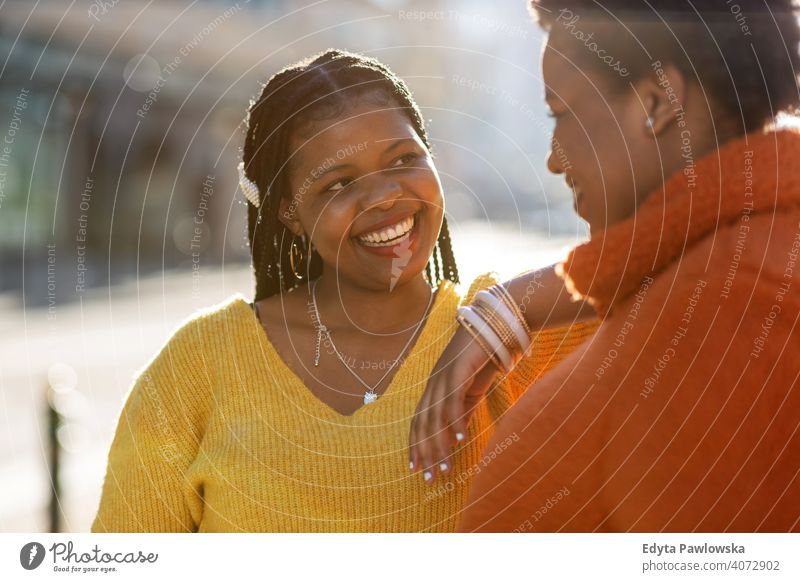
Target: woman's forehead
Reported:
point(566, 77)
point(352, 117)
point(357, 125)
point(559, 75)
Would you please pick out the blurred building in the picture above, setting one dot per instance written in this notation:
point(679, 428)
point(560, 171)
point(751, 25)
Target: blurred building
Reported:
point(132, 122)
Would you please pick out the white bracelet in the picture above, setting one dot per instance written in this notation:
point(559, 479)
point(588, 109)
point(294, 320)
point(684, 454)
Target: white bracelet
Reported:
point(487, 333)
point(503, 311)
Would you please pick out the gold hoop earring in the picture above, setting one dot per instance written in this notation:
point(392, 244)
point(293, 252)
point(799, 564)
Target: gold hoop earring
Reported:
point(296, 256)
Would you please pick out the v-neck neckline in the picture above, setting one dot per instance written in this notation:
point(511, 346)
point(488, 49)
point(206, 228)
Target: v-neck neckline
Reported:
point(305, 393)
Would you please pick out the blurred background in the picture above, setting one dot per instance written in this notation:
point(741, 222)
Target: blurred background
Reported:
point(122, 122)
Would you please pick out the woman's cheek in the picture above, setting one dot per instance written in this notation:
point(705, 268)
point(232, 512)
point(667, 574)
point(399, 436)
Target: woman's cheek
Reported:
point(333, 224)
point(429, 188)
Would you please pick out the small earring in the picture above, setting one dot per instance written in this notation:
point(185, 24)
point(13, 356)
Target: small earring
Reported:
point(296, 256)
point(650, 122)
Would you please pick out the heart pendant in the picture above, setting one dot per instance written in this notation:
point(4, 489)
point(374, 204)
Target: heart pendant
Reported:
point(370, 397)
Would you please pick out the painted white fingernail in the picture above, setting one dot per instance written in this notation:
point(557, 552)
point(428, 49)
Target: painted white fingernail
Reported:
point(411, 466)
point(459, 436)
point(443, 466)
point(427, 475)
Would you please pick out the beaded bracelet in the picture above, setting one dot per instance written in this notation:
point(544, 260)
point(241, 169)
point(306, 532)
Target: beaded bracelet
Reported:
point(489, 335)
point(498, 325)
point(477, 337)
point(504, 295)
point(503, 311)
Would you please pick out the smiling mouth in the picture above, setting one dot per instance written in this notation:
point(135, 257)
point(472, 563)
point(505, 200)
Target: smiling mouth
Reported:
point(391, 235)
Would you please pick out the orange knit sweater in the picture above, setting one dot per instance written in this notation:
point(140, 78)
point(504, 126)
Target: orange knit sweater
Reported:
point(683, 411)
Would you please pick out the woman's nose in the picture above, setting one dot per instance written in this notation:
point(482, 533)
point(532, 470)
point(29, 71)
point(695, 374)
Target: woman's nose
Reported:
point(382, 192)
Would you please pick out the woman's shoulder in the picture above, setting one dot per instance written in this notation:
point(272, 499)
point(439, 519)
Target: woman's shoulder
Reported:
point(193, 347)
point(179, 371)
point(482, 281)
point(230, 307)
point(206, 325)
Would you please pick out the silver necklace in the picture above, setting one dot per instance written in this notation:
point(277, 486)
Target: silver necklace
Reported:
point(370, 395)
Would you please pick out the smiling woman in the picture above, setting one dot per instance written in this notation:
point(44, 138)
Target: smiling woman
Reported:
point(291, 413)
point(682, 414)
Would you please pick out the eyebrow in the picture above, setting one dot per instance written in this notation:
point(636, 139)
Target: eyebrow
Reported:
point(397, 142)
point(330, 170)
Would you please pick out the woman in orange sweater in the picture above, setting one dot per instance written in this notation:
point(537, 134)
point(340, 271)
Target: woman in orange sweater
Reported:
point(683, 412)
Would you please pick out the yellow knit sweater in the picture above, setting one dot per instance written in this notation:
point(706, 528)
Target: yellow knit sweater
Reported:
point(218, 434)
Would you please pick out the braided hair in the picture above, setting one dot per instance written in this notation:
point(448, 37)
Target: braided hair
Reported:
point(316, 88)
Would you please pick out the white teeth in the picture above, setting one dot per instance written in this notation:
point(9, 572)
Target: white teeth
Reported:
point(391, 235)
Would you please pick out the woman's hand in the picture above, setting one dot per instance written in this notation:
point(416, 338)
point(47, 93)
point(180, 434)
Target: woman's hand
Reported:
point(459, 380)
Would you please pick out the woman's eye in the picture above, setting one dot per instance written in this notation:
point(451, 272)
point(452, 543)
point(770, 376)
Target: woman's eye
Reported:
point(404, 159)
point(339, 185)
point(556, 115)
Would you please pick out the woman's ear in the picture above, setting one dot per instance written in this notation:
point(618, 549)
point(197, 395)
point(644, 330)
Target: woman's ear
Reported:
point(287, 214)
point(662, 96)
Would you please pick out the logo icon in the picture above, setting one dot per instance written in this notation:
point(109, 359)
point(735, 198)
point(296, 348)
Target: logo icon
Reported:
point(402, 256)
point(31, 555)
